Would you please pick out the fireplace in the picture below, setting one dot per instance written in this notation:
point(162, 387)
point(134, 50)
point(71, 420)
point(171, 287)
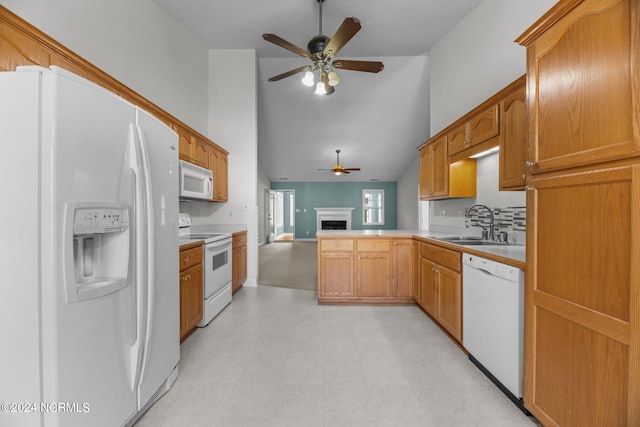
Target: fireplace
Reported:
point(333, 218)
point(332, 224)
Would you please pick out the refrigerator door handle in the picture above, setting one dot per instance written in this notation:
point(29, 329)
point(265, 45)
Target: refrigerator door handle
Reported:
point(150, 249)
point(140, 213)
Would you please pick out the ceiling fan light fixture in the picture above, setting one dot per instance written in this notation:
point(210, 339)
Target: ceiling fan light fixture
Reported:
point(321, 89)
point(334, 80)
point(308, 79)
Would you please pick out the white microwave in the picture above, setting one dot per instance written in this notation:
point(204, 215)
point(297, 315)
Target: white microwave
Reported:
point(195, 182)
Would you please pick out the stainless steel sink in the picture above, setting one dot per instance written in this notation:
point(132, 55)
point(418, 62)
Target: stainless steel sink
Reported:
point(471, 241)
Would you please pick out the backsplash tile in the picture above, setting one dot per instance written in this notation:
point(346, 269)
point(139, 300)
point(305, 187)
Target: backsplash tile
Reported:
point(508, 219)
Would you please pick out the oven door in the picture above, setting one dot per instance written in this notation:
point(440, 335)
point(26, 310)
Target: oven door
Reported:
point(217, 264)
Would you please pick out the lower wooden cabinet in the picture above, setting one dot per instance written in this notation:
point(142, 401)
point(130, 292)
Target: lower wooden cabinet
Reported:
point(371, 271)
point(191, 298)
point(440, 290)
point(404, 267)
point(238, 260)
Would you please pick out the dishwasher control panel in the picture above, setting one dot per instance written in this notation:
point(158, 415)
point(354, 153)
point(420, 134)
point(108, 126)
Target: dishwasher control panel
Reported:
point(492, 267)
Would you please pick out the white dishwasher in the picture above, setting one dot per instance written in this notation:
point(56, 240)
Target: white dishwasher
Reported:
point(493, 328)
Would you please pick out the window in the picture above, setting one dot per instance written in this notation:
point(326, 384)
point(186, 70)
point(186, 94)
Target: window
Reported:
point(373, 207)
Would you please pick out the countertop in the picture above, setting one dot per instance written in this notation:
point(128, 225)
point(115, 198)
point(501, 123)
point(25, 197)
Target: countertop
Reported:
point(512, 254)
point(205, 228)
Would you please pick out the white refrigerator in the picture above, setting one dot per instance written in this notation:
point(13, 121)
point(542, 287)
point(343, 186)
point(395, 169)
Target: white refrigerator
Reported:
point(89, 297)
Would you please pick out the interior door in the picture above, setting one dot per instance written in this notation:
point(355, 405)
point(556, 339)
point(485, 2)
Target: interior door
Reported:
point(270, 217)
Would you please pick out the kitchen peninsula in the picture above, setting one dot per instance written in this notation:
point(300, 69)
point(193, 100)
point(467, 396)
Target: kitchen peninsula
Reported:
point(383, 266)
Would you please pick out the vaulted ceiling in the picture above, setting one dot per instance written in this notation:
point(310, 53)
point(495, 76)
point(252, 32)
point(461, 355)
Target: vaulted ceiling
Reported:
point(376, 120)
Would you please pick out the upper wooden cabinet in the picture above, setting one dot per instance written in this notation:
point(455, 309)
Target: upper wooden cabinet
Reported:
point(23, 44)
point(218, 163)
point(513, 138)
point(582, 78)
point(438, 178)
point(479, 129)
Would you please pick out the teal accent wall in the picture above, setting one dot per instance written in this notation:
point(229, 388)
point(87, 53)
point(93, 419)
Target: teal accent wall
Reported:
point(309, 195)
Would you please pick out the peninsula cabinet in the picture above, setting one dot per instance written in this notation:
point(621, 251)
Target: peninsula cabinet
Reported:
point(404, 267)
point(582, 288)
point(440, 290)
point(438, 178)
point(191, 298)
point(369, 271)
point(373, 268)
point(336, 270)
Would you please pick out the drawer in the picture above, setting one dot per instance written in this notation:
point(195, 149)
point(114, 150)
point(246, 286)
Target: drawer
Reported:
point(239, 240)
point(190, 257)
point(332, 245)
point(373, 245)
point(442, 256)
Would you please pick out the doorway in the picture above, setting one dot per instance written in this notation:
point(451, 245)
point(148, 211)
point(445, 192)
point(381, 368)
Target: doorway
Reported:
point(281, 216)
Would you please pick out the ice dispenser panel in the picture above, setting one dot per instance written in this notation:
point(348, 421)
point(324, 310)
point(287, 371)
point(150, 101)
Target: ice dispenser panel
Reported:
point(97, 262)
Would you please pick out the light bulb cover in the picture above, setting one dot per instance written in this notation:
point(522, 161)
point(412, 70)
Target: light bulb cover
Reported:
point(308, 78)
point(321, 89)
point(334, 80)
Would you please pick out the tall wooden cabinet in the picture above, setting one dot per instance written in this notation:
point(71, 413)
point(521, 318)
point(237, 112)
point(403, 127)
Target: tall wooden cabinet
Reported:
point(582, 324)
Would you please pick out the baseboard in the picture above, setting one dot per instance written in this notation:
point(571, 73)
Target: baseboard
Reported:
point(305, 239)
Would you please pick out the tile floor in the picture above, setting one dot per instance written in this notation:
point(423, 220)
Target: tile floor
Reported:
point(274, 357)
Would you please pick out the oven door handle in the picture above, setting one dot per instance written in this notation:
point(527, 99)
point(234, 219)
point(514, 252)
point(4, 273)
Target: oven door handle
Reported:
point(218, 244)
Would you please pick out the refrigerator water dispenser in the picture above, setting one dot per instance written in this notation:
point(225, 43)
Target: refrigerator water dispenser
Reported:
point(97, 253)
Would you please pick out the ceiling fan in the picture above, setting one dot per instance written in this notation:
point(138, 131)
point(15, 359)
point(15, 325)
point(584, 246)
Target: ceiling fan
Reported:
point(321, 51)
point(339, 170)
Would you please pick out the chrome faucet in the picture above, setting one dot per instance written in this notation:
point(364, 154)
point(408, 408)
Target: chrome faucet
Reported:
point(485, 234)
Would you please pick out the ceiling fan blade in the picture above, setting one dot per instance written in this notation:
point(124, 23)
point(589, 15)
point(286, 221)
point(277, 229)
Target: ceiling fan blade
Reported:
point(289, 73)
point(348, 29)
point(352, 169)
point(366, 66)
point(279, 41)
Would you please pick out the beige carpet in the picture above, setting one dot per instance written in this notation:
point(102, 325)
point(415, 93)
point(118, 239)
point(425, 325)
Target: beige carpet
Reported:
point(289, 265)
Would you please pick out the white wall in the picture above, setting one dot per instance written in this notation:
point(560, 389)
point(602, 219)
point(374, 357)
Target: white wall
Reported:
point(476, 59)
point(233, 124)
point(408, 196)
point(135, 42)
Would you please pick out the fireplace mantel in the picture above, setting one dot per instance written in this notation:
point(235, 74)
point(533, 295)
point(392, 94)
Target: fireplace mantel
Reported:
point(333, 214)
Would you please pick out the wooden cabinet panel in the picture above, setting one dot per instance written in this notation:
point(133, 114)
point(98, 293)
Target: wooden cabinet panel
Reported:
point(190, 258)
point(440, 179)
point(450, 301)
point(513, 139)
point(200, 152)
point(238, 260)
point(191, 300)
point(441, 287)
point(336, 245)
point(373, 245)
point(336, 276)
point(191, 297)
point(481, 127)
point(373, 274)
point(218, 163)
point(404, 268)
point(428, 287)
point(580, 294)
point(583, 73)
